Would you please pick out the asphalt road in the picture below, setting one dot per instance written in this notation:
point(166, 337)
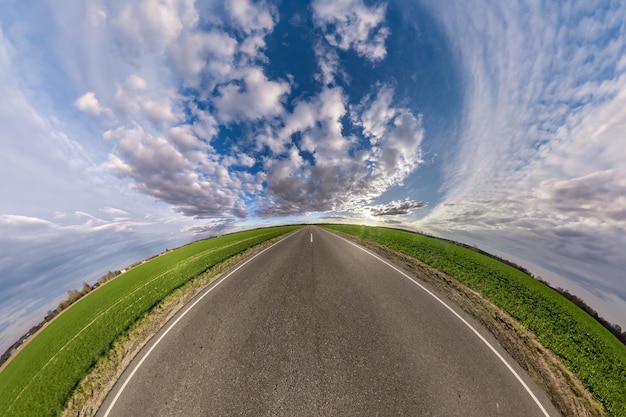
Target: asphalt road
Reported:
point(315, 326)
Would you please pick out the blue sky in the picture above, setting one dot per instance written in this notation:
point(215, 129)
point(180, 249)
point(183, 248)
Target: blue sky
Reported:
point(132, 127)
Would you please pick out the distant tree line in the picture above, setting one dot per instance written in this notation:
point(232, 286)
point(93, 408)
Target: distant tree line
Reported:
point(72, 297)
point(615, 329)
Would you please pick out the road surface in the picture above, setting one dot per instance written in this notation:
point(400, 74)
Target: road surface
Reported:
point(316, 326)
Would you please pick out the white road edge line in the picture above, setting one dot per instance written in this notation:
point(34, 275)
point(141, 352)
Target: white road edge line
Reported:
point(509, 367)
point(171, 326)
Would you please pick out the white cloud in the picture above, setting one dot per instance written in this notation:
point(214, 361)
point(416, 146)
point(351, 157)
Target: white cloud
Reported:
point(159, 111)
point(257, 98)
point(395, 134)
point(185, 140)
point(135, 83)
point(97, 14)
point(328, 63)
point(253, 46)
point(115, 211)
point(239, 160)
point(205, 126)
point(375, 118)
point(598, 197)
point(152, 25)
point(329, 171)
point(127, 96)
point(544, 118)
point(136, 102)
point(350, 24)
point(211, 53)
point(178, 169)
point(17, 220)
point(251, 17)
point(88, 103)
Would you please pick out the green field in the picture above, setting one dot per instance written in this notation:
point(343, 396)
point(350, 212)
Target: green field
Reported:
point(586, 347)
point(41, 377)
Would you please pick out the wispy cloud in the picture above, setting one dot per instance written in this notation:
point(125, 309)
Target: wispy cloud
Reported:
point(540, 119)
point(541, 152)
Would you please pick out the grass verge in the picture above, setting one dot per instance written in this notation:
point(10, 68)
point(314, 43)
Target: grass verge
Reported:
point(590, 352)
point(41, 378)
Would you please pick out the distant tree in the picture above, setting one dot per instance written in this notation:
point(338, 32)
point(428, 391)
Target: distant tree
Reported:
point(615, 329)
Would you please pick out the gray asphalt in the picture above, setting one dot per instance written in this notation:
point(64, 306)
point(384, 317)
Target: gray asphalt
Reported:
point(320, 329)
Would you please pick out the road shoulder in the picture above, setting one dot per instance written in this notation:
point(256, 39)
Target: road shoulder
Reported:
point(93, 389)
point(562, 387)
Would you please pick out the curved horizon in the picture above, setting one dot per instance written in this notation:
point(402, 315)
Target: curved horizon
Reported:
point(129, 128)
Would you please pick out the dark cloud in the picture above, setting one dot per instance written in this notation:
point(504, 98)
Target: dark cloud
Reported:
point(397, 208)
point(597, 195)
point(178, 174)
point(213, 227)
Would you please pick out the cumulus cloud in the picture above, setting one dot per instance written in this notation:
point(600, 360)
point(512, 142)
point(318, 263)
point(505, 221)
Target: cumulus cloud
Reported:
point(204, 53)
point(133, 100)
point(395, 134)
point(159, 138)
point(328, 170)
point(88, 103)
point(152, 25)
point(253, 46)
point(396, 208)
point(328, 63)
point(351, 24)
point(179, 169)
point(257, 98)
point(137, 102)
point(251, 17)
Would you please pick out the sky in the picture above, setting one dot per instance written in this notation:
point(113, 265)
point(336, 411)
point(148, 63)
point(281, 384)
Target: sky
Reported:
point(131, 127)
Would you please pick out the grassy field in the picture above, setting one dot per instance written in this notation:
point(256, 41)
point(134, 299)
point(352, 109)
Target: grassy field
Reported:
point(41, 377)
point(586, 347)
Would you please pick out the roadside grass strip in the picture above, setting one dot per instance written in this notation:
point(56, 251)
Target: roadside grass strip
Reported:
point(40, 379)
point(589, 350)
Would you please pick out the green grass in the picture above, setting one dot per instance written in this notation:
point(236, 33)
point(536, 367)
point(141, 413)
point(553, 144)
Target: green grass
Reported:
point(586, 347)
point(41, 377)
